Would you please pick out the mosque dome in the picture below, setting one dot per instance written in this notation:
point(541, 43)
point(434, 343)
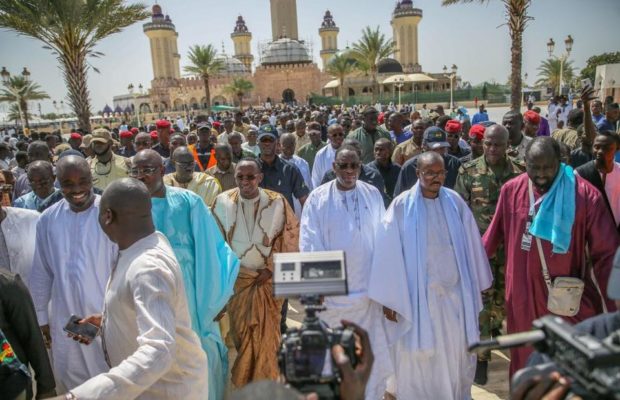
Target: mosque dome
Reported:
point(285, 51)
point(232, 66)
point(389, 66)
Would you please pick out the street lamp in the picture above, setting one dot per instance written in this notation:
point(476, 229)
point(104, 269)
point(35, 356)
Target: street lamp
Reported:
point(399, 84)
point(568, 42)
point(59, 107)
point(135, 95)
point(6, 79)
point(452, 75)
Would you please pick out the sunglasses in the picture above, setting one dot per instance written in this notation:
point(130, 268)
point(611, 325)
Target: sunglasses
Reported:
point(135, 172)
point(432, 174)
point(249, 178)
point(344, 166)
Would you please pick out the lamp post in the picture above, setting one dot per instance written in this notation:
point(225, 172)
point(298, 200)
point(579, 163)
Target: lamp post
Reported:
point(6, 81)
point(60, 108)
point(135, 95)
point(399, 84)
point(568, 42)
point(452, 75)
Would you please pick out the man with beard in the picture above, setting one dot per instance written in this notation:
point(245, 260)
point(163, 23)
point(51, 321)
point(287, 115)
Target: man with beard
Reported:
point(604, 173)
point(413, 146)
point(105, 166)
point(531, 124)
point(185, 176)
point(357, 208)
point(369, 133)
point(208, 264)
point(72, 262)
point(475, 139)
point(548, 220)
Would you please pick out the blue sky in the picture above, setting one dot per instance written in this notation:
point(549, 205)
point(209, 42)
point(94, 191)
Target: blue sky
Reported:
point(470, 36)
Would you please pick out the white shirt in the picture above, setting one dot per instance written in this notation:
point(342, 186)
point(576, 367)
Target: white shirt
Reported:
point(304, 168)
point(322, 163)
point(223, 137)
point(153, 351)
point(612, 189)
point(72, 262)
point(19, 229)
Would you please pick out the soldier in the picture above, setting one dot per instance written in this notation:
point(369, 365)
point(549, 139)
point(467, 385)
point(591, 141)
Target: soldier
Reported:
point(479, 182)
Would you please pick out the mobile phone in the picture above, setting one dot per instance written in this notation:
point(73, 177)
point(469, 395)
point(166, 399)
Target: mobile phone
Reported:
point(86, 329)
point(586, 82)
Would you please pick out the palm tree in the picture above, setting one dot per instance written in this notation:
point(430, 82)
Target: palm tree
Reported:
point(516, 19)
point(549, 73)
point(19, 91)
point(239, 87)
point(204, 63)
point(71, 29)
point(15, 114)
point(340, 66)
point(369, 50)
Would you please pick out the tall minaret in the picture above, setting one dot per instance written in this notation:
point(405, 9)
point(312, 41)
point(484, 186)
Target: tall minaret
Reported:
point(284, 19)
point(329, 38)
point(241, 38)
point(405, 20)
point(163, 39)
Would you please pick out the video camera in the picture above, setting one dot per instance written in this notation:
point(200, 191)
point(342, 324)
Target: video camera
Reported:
point(305, 353)
point(593, 364)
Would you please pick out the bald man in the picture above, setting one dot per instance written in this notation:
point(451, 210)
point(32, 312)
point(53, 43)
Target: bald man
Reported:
point(208, 264)
point(146, 327)
point(72, 262)
point(41, 178)
point(186, 177)
point(428, 276)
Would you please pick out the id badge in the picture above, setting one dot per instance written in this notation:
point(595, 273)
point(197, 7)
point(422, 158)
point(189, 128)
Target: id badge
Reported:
point(526, 242)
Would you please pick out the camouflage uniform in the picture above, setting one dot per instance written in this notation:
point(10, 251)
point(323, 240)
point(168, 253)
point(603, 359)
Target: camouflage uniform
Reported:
point(479, 186)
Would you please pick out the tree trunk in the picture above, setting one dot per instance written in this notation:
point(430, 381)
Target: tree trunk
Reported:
point(342, 89)
point(205, 79)
point(75, 70)
point(375, 86)
point(23, 105)
point(517, 20)
point(240, 97)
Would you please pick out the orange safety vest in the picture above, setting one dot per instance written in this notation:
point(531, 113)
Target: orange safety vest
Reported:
point(212, 160)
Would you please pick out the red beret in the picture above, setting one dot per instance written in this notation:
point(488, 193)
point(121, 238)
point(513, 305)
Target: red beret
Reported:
point(476, 132)
point(453, 126)
point(126, 135)
point(162, 123)
point(217, 124)
point(75, 135)
point(154, 135)
point(532, 116)
point(381, 118)
point(135, 131)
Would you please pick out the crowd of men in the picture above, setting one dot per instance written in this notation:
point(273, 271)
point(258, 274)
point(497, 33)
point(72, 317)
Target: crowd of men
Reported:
point(453, 229)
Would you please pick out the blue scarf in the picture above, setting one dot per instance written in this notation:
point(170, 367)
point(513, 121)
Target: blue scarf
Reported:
point(555, 217)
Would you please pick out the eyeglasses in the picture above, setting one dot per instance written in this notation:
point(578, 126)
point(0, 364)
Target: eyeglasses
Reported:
point(135, 172)
point(185, 164)
point(344, 166)
point(248, 178)
point(433, 174)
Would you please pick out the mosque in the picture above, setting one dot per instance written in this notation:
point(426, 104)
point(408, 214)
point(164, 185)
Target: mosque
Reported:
point(285, 71)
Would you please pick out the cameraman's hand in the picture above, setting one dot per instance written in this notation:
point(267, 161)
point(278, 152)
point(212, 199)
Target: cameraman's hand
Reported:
point(354, 381)
point(550, 387)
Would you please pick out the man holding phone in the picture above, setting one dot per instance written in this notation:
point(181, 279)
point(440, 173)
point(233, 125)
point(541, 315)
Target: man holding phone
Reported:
point(145, 327)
